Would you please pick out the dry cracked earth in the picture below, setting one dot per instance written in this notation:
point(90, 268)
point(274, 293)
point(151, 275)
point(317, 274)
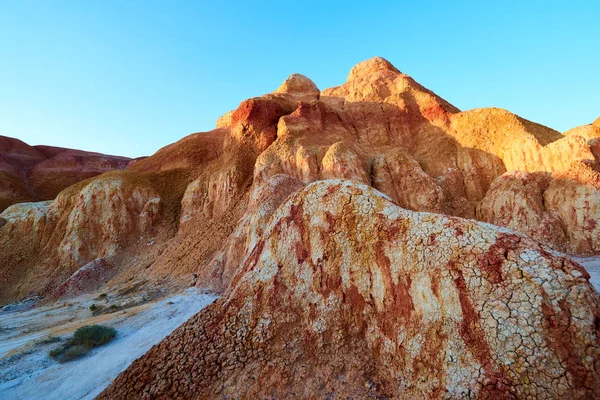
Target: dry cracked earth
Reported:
point(369, 240)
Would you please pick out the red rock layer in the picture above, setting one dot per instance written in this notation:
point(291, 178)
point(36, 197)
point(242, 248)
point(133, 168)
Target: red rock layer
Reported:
point(33, 173)
point(346, 295)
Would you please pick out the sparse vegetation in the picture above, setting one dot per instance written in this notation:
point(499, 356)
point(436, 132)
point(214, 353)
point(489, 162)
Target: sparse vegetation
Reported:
point(97, 309)
point(49, 340)
point(93, 335)
point(133, 288)
point(84, 339)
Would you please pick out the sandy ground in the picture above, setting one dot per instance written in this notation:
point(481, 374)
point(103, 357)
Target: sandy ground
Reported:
point(26, 371)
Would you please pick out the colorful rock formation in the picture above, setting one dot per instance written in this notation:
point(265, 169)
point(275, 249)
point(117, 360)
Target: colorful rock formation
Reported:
point(325, 281)
point(346, 295)
point(380, 128)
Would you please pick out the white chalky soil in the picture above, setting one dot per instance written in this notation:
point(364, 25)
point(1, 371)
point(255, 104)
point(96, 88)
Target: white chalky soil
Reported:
point(26, 371)
point(592, 265)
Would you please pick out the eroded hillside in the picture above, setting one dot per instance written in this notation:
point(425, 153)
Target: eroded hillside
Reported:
point(340, 228)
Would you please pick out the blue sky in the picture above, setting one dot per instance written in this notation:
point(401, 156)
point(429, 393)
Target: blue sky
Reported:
point(128, 77)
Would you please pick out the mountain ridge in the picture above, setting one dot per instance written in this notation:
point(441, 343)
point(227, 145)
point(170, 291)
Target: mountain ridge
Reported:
point(372, 221)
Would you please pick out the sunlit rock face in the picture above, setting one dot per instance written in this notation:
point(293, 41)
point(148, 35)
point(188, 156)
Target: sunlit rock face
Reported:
point(384, 129)
point(264, 200)
point(106, 213)
point(342, 282)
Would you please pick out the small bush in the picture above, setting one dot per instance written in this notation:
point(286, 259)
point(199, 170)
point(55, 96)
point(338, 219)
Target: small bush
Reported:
point(97, 309)
point(69, 353)
point(93, 335)
point(56, 352)
point(50, 339)
point(84, 339)
point(75, 352)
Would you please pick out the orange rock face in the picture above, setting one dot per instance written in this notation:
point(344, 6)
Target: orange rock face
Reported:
point(345, 294)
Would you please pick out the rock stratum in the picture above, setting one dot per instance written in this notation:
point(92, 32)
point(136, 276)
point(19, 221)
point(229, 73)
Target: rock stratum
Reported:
point(368, 240)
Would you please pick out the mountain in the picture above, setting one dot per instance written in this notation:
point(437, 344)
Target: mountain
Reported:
point(369, 239)
point(34, 173)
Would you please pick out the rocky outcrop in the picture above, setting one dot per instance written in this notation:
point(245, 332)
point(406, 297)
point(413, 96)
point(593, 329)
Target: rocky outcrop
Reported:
point(12, 190)
point(86, 279)
point(573, 196)
point(45, 242)
point(588, 132)
point(516, 200)
point(298, 87)
point(345, 294)
point(370, 286)
point(560, 209)
point(384, 129)
point(401, 177)
point(264, 201)
point(380, 128)
point(29, 223)
point(107, 213)
point(207, 197)
point(342, 161)
point(31, 173)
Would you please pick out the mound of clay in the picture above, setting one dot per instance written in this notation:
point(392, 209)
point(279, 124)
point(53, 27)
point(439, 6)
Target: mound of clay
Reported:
point(32, 173)
point(345, 294)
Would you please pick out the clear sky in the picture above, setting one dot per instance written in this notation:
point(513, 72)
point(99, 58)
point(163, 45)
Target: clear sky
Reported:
point(127, 77)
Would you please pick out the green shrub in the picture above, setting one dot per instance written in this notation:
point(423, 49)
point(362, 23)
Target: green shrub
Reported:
point(56, 352)
point(50, 339)
point(97, 309)
point(84, 339)
point(75, 352)
point(69, 353)
point(93, 335)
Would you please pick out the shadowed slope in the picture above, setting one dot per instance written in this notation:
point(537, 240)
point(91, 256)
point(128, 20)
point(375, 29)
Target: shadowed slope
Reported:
point(32, 173)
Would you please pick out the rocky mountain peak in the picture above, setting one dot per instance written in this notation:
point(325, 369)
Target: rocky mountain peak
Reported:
point(375, 65)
